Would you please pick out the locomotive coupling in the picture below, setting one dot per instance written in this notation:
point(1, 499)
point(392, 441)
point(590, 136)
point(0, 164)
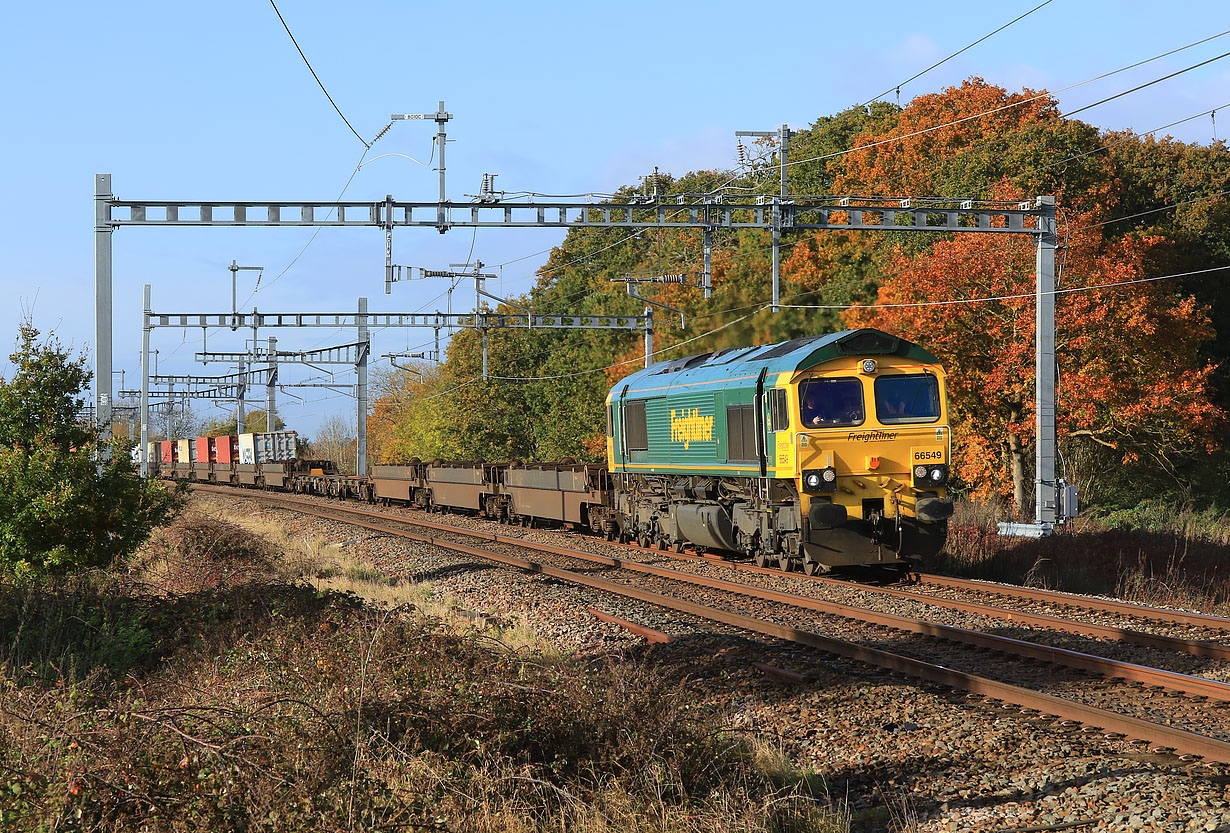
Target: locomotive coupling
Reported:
point(931, 510)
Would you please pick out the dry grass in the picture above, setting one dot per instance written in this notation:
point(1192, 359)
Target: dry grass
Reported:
point(260, 703)
point(1158, 555)
point(331, 566)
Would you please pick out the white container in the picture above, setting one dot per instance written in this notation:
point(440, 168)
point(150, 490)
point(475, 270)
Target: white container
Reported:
point(247, 449)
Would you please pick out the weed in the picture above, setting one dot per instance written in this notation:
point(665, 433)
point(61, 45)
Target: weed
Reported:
point(1172, 556)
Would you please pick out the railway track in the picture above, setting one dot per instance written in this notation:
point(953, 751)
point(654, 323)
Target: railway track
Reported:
point(1180, 712)
point(1024, 614)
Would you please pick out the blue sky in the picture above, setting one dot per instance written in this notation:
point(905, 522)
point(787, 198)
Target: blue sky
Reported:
point(201, 101)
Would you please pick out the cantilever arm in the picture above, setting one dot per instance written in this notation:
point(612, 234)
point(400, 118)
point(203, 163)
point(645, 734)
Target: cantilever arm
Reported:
point(632, 291)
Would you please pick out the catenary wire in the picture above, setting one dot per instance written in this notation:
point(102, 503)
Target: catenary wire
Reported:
point(967, 256)
point(953, 301)
point(366, 144)
point(918, 75)
point(1017, 296)
point(587, 372)
point(1086, 107)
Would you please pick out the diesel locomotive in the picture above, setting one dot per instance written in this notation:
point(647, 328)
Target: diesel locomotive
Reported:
point(815, 453)
point(818, 452)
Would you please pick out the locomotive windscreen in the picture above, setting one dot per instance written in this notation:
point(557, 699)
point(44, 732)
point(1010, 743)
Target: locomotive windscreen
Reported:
point(825, 403)
point(907, 399)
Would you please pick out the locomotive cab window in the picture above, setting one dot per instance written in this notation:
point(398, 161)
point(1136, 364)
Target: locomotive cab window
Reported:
point(907, 399)
point(829, 403)
point(778, 418)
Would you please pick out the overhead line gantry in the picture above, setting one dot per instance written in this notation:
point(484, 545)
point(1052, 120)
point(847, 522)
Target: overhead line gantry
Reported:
point(708, 212)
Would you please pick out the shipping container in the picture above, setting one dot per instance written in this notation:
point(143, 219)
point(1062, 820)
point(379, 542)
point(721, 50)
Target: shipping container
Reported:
point(166, 451)
point(247, 449)
point(201, 452)
point(184, 454)
point(224, 450)
point(275, 446)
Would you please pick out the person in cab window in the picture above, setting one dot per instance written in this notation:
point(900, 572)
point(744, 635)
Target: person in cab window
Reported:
point(850, 409)
point(812, 412)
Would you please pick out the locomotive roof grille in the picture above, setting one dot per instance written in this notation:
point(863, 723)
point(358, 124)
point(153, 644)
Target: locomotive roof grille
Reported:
point(787, 347)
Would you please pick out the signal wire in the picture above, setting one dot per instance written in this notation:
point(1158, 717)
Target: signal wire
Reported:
point(1015, 104)
point(949, 124)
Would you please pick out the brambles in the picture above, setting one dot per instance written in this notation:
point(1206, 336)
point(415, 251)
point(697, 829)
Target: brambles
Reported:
point(266, 705)
point(1157, 554)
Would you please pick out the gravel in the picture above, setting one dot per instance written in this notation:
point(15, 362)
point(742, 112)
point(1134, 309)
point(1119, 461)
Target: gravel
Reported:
point(898, 753)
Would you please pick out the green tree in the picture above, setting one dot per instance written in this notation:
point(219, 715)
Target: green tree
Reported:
point(253, 422)
point(60, 509)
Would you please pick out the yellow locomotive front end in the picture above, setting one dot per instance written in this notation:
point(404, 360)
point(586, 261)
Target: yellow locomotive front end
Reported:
point(870, 450)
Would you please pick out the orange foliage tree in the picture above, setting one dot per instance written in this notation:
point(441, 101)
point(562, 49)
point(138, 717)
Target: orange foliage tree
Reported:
point(1134, 385)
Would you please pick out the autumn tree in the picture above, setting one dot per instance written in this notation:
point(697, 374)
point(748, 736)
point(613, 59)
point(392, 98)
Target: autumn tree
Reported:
point(972, 141)
point(1133, 383)
point(335, 440)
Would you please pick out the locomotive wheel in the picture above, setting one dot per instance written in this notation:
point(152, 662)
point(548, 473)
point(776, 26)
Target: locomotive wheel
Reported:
point(812, 567)
point(784, 562)
point(761, 558)
point(643, 541)
point(677, 546)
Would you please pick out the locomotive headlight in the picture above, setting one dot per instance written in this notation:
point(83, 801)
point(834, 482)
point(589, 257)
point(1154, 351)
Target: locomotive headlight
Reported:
point(820, 480)
point(930, 476)
point(869, 365)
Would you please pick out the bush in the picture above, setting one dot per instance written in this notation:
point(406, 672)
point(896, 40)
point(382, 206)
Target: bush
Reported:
point(61, 508)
